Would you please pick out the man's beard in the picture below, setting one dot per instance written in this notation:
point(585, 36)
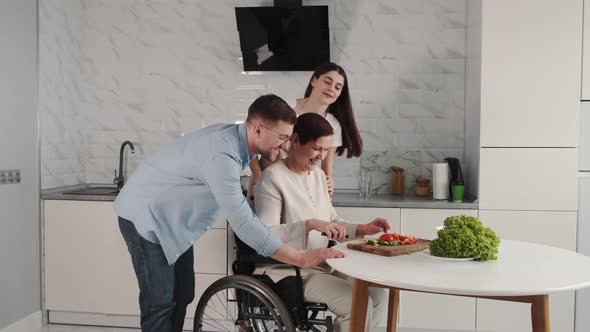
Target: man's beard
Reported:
point(269, 157)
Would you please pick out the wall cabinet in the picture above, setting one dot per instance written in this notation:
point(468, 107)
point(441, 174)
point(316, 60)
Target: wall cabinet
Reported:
point(530, 73)
point(529, 179)
point(420, 310)
point(552, 228)
point(586, 53)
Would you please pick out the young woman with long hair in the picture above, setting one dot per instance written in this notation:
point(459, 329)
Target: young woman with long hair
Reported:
point(327, 94)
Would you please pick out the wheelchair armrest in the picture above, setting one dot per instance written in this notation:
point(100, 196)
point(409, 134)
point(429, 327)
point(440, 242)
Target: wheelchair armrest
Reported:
point(257, 259)
point(248, 256)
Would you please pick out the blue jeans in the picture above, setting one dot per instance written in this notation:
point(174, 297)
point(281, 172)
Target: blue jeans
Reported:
point(164, 290)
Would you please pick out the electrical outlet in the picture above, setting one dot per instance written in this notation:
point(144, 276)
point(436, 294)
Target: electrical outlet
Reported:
point(9, 176)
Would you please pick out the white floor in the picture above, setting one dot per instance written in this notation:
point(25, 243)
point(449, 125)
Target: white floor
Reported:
point(72, 328)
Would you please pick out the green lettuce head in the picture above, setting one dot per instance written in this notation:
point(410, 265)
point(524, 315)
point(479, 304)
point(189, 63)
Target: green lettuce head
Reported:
point(465, 237)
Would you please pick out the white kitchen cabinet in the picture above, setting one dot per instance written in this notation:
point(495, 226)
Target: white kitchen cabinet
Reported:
point(420, 310)
point(202, 281)
point(211, 252)
point(88, 268)
point(552, 228)
point(220, 223)
point(586, 53)
point(363, 215)
point(87, 265)
point(585, 134)
point(530, 73)
point(529, 179)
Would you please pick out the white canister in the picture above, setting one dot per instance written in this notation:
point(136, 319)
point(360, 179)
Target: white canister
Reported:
point(440, 181)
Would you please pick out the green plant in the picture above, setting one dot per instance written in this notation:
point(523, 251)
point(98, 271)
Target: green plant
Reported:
point(465, 237)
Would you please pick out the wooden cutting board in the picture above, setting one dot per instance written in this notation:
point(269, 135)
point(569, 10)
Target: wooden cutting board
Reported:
point(362, 245)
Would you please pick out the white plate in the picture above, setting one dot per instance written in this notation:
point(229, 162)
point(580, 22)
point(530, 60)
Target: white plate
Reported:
point(427, 253)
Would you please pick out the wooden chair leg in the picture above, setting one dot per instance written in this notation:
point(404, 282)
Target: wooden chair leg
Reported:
point(393, 310)
point(360, 301)
point(540, 313)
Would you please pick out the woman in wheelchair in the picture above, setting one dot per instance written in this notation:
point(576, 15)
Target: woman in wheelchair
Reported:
point(292, 198)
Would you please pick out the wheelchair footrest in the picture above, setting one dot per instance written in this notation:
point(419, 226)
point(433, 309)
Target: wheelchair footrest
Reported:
point(320, 321)
point(315, 306)
point(327, 322)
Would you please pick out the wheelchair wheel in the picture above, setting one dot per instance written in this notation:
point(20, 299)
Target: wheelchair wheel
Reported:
point(241, 303)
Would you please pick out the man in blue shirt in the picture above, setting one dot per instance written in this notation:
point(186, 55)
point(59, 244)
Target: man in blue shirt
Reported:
point(174, 197)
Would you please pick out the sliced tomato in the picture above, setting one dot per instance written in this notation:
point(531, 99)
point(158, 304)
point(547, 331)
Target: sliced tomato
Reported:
point(401, 239)
point(387, 237)
point(409, 240)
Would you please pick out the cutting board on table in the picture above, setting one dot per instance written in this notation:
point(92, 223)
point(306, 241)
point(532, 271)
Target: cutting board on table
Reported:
point(362, 245)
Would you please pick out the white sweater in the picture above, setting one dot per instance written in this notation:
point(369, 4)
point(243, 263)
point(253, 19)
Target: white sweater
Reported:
point(284, 200)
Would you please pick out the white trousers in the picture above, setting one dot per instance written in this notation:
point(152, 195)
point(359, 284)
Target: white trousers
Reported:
point(336, 292)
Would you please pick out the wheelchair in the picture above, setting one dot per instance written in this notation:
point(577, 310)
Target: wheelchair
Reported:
point(248, 302)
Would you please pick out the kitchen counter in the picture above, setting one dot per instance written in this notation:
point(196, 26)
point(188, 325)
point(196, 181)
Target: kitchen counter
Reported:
point(59, 193)
point(405, 201)
point(339, 199)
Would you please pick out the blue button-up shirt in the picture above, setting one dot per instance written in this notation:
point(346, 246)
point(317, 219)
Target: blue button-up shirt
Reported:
point(177, 194)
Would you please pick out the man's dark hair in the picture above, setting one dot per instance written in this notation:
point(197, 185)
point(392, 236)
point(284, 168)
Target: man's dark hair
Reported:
point(272, 108)
point(311, 126)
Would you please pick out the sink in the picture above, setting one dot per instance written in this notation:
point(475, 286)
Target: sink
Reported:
point(109, 191)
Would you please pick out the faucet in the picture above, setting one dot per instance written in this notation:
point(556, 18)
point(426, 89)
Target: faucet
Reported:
point(120, 180)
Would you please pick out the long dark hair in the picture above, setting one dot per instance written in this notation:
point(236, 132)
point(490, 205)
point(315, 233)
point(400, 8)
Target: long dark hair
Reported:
point(342, 111)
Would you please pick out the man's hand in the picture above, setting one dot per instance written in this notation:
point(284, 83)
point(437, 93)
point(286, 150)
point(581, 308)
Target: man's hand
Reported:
point(317, 256)
point(304, 259)
point(374, 227)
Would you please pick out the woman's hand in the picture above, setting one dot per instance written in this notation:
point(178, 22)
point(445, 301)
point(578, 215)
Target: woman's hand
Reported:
point(332, 230)
point(330, 185)
point(374, 227)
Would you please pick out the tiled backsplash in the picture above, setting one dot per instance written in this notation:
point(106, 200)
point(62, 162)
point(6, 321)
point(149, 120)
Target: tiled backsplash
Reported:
point(149, 71)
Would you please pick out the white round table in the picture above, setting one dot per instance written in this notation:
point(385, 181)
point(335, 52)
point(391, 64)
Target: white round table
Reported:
point(524, 272)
